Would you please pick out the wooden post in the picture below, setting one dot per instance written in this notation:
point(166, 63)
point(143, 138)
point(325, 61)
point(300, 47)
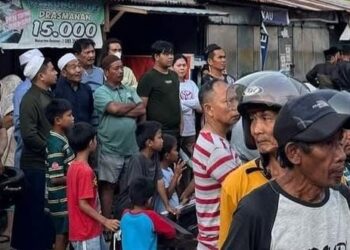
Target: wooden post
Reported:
point(107, 26)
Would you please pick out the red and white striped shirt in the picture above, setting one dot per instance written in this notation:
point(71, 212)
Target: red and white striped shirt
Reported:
point(213, 160)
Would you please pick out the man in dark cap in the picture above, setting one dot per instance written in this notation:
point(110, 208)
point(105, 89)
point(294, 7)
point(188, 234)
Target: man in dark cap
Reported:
point(321, 74)
point(344, 54)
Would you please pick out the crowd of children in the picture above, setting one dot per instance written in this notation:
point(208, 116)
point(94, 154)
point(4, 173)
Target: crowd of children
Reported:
point(72, 195)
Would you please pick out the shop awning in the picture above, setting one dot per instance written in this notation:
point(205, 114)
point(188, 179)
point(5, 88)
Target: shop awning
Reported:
point(311, 5)
point(145, 10)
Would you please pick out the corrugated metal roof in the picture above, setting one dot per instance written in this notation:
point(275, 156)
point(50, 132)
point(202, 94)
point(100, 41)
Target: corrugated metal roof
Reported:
point(167, 10)
point(157, 2)
point(312, 5)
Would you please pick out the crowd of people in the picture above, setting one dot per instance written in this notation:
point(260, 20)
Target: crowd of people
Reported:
point(103, 153)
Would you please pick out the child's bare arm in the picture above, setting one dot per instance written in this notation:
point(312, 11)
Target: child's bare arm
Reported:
point(163, 196)
point(111, 225)
point(179, 167)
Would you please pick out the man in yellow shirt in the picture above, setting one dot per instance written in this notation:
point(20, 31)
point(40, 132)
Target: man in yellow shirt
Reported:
point(264, 96)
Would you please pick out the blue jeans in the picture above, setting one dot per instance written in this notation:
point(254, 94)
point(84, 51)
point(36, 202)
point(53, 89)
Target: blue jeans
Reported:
point(97, 243)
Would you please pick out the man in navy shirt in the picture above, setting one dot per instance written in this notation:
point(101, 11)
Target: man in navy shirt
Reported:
point(69, 87)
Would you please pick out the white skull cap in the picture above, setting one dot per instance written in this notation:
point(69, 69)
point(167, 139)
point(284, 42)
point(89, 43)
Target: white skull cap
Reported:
point(26, 56)
point(65, 59)
point(33, 66)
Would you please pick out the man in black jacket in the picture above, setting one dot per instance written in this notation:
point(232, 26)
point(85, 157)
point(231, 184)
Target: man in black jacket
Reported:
point(29, 228)
point(321, 74)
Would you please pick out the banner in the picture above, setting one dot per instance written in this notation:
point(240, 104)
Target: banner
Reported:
point(45, 23)
point(264, 43)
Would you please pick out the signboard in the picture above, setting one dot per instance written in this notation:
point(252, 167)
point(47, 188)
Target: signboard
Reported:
point(46, 23)
point(274, 16)
point(264, 43)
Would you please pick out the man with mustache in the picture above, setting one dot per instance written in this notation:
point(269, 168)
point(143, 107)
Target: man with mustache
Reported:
point(266, 93)
point(340, 101)
point(216, 59)
point(307, 207)
point(69, 87)
point(118, 108)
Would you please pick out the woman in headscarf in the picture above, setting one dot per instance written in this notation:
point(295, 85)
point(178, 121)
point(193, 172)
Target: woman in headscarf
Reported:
point(8, 86)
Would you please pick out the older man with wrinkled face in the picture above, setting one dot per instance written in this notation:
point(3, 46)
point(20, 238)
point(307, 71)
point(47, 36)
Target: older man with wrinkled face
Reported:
point(69, 87)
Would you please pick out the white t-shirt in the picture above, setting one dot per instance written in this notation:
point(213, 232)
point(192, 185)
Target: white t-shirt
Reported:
point(174, 200)
point(270, 218)
point(189, 102)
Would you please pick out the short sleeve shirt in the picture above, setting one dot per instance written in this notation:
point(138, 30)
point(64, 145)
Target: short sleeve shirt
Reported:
point(163, 95)
point(213, 160)
point(59, 155)
point(140, 166)
point(82, 184)
point(270, 218)
point(116, 133)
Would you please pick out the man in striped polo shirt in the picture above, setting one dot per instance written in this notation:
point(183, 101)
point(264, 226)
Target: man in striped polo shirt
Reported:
point(213, 157)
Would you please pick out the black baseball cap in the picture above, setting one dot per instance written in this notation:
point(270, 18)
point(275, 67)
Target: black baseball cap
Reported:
point(344, 48)
point(308, 118)
point(331, 51)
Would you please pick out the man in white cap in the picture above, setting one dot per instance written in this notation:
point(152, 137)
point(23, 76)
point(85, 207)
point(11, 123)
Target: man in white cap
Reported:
point(69, 87)
point(17, 98)
point(29, 228)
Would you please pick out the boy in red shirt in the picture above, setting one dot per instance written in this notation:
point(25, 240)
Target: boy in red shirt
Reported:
point(85, 220)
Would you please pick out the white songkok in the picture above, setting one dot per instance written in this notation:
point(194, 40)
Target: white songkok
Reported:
point(26, 56)
point(64, 60)
point(33, 66)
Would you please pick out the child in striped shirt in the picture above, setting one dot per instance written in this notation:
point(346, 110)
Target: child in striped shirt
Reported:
point(59, 154)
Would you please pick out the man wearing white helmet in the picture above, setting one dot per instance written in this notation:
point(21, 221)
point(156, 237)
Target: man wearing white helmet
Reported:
point(29, 227)
point(69, 87)
point(17, 98)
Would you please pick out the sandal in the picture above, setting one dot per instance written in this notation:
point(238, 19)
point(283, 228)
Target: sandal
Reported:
point(4, 238)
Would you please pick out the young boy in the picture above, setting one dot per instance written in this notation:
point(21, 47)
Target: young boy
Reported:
point(140, 226)
point(169, 157)
point(85, 220)
point(145, 164)
point(59, 155)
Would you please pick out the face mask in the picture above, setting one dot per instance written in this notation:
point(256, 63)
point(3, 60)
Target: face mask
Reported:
point(118, 54)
